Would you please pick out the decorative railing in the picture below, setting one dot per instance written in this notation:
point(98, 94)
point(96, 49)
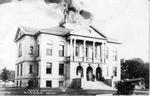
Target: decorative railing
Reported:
point(87, 59)
point(78, 59)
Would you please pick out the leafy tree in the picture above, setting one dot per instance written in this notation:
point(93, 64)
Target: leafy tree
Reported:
point(5, 74)
point(131, 68)
point(145, 73)
point(135, 68)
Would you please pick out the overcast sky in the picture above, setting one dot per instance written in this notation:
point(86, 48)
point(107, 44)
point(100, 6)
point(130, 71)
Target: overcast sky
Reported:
point(125, 20)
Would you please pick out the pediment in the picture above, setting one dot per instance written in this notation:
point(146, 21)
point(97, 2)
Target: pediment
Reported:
point(19, 33)
point(90, 32)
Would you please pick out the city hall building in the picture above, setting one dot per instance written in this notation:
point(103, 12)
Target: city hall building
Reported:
point(57, 56)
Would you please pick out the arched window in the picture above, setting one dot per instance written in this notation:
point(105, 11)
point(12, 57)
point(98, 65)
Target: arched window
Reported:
point(61, 48)
point(79, 71)
point(49, 48)
point(98, 73)
point(31, 50)
point(89, 73)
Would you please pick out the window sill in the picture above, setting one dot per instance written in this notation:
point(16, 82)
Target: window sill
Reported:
point(61, 75)
point(61, 56)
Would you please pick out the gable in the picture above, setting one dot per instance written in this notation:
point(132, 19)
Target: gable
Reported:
point(19, 34)
point(22, 30)
point(89, 32)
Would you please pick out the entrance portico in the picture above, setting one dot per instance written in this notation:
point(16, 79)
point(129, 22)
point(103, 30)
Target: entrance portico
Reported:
point(83, 50)
point(86, 56)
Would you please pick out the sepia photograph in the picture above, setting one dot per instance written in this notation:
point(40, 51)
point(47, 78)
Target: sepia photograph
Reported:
point(74, 47)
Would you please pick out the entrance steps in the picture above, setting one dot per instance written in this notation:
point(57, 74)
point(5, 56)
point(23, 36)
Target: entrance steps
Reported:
point(96, 85)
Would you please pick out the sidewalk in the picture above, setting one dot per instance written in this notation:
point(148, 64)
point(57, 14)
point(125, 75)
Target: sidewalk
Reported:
point(58, 91)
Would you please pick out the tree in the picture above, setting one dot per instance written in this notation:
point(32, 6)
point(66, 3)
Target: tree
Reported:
point(145, 73)
point(135, 68)
point(131, 68)
point(5, 74)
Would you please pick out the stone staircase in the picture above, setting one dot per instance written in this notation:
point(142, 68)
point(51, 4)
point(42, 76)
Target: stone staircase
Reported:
point(97, 85)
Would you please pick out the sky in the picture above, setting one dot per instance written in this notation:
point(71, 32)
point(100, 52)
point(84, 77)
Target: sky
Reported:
point(125, 20)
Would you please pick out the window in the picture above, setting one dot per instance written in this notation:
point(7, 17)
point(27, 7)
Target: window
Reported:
point(72, 17)
point(61, 50)
point(107, 52)
point(38, 50)
point(96, 51)
point(107, 71)
point(77, 50)
point(20, 69)
point(30, 84)
point(49, 49)
point(48, 68)
point(114, 71)
point(90, 52)
point(61, 83)
point(115, 54)
point(48, 83)
point(17, 83)
point(31, 50)
point(20, 51)
point(30, 68)
point(61, 69)
point(86, 52)
point(17, 70)
point(20, 83)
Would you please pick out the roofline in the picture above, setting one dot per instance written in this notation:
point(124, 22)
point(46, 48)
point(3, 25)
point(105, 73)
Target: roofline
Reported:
point(65, 35)
point(95, 29)
point(24, 36)
point(20, 27)
point(40, 32)
point(87, 36)
point(114, 42)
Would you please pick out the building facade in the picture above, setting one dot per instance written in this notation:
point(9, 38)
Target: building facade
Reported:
point(58, 56)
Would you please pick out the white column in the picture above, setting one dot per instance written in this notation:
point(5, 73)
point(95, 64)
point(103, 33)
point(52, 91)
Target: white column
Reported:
point(18, 69)
point(84, 50)
point(104, 53)
point(71, 55)
point(84, 77)
point(101, 54)
point(93, 57)
point(74, 49)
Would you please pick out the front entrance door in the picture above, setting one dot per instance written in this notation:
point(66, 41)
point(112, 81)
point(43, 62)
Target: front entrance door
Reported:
point(98, 74)
point(89, 73)
point(79, 72)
